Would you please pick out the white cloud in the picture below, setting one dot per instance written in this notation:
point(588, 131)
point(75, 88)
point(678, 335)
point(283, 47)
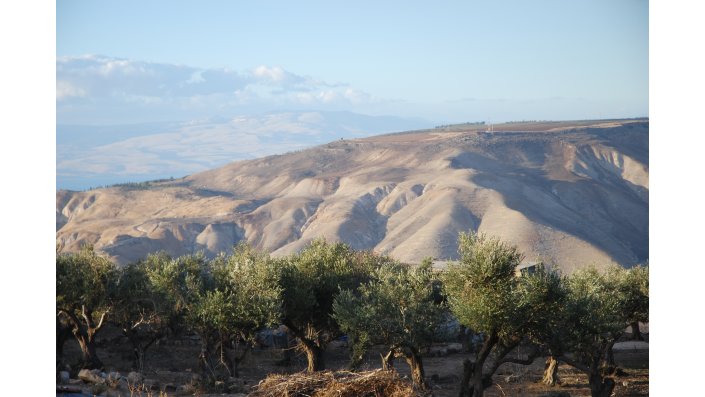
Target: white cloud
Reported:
point(275, 74)
point(196, 77)
point(99, 89)
point(64, 89)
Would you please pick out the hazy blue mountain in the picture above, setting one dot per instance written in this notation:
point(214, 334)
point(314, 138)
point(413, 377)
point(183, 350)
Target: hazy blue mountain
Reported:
point(89, 156)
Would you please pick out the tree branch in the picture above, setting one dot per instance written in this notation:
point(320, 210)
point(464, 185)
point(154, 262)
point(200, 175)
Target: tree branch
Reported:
point(574, 364)
point(519, 361)
point(102, 317)
point(503, 351)
point(530, 359)
point(71, 316)
point(85, 316)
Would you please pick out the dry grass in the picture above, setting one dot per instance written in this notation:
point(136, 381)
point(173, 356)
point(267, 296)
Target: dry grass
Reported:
point(378, 383)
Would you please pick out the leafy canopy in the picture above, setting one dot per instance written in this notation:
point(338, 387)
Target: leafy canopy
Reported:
point(397, 308)
point(311, 279)
point(84, 280)
point(482, 287)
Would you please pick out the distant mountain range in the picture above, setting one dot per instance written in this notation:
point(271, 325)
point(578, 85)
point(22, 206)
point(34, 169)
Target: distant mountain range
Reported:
point(567, 193)
point(99, 155)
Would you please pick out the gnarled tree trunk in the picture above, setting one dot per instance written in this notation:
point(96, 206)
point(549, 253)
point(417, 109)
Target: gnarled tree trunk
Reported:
point(86, 339)
point(140, 344)
point(468, 370)
point(610, 365)
point(413, 358)
point(636, 332)
point(550, 373)
point(314, 356)
point(312, 345)
point(599, 385)
point(473, 382)
point(63, 333)
point(85, 330)
point(388, 360)
point(232, 355)
point(205, 365)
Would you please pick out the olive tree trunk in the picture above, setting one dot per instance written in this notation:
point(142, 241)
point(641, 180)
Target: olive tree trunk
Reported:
point(313, 347)
point(599, 385)
point(387, 360)
point(205, 364)
point(472, 383)
point(314, 356)
point(140, 343)
point(63, 333)
point(85, 330)
point(232, 354)
point(636, 332)
point(413, 358)
point(550, 373)
point(86, 339)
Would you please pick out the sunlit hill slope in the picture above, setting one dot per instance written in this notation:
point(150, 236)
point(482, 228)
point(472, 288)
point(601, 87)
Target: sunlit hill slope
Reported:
point(567, 193)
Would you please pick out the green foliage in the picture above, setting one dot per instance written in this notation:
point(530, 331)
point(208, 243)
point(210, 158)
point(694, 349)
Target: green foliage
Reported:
point(247, 294)
point(225, 300)
point(85, 283)
point(181, 280)
point(482, 287)
point(311, 279)
point(135, 300)
point(84, 279)
point(396, 308)
point(599, 307)
point(633, 292)
point(486, 295)
point(238, 293)
point(592, 313)
point(540, 297)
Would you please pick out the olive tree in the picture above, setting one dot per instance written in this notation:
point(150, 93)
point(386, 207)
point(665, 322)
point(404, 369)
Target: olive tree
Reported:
point(631, 290)
point(634, 298)
point(84, 281)
point(587, 326)
point(184, 281)
point(310, 281)
point(141, 311)
point(618, 298)
point(224, 301)
point(396, 308)
point(246, 299)
point(486, 295)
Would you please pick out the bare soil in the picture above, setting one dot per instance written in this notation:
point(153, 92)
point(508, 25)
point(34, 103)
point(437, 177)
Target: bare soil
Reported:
point(174, 362)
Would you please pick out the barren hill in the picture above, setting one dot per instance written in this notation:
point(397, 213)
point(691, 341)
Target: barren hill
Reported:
point(570, 193)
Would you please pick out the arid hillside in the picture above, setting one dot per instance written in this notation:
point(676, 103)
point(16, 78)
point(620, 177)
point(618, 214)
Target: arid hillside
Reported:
point(567, 193)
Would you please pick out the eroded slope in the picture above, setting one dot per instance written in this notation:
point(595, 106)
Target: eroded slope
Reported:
point(567, 193)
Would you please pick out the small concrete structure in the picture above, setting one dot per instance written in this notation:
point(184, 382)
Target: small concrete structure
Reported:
point(527, 268)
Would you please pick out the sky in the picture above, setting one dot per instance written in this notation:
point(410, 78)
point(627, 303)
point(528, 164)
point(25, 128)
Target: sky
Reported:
point(160, 89)
point(446, 62)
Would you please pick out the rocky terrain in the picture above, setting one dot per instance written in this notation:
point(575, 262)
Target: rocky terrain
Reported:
point(566, 193)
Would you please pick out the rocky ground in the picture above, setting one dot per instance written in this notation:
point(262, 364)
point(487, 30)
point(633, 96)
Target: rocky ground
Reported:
point(172, 366)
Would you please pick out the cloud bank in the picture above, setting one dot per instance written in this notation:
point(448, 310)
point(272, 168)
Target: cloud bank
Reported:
point(105, 90)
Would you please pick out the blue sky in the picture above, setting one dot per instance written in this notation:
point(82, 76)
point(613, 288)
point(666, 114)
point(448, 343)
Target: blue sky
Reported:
point(331, 69)
point(437, 60)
